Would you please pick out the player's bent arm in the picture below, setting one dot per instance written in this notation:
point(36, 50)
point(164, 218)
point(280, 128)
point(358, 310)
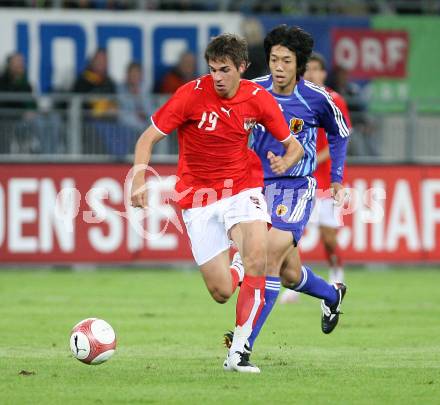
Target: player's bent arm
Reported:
point(142, 156)
point(294, 153)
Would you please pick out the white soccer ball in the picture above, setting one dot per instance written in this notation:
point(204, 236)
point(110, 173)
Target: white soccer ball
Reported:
point(92, 341)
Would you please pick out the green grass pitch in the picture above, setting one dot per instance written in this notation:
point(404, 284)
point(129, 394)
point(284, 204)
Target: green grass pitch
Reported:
point(386, 349)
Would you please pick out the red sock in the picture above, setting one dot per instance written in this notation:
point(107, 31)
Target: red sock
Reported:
point(250, 300)
point(235, 278)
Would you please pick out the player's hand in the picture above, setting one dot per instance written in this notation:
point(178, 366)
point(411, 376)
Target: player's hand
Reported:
point(138, 191)
point(277, 163)
point(338, 193)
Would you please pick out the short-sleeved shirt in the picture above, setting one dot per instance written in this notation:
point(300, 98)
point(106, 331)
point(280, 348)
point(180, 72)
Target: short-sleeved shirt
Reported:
point(306, 109)
point(213, 137)
point(322, 173)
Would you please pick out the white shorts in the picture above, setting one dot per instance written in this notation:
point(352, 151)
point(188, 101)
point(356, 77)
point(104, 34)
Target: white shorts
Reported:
point(208, 226)
point(326, 213)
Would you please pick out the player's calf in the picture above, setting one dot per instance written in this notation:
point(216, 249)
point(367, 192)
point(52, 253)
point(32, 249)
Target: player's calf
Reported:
point(255, 263)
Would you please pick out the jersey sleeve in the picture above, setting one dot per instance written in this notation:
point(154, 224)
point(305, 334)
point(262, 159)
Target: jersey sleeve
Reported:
point(272, 118)
point(342, 105)
point(172, 114)
point(332, 120)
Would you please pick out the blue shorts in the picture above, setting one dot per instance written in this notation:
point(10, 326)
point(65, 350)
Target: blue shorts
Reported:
point(290, 203)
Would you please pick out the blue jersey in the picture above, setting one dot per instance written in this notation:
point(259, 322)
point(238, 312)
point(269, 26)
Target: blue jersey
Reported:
point(308, 108)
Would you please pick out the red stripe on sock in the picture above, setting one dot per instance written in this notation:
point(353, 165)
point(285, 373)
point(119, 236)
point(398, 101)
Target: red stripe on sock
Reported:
point(246, 299)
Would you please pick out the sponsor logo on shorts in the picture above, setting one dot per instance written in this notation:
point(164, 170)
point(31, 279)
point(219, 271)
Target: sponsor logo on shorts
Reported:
point(281, 210)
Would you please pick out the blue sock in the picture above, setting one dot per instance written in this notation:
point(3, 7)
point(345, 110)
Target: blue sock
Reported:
point(313, 285)
point(271, 292)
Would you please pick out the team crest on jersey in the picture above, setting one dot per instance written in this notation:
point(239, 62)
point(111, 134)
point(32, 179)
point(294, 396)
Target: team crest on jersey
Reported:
point(281, 210)
point(296, 125)
point(249, 124)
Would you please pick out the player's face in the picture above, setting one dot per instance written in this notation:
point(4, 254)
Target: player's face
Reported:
point(315, 73)
point(282, 65)
point(226, 77)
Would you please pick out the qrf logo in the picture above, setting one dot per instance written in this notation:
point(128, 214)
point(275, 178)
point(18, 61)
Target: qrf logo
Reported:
point(56, 45)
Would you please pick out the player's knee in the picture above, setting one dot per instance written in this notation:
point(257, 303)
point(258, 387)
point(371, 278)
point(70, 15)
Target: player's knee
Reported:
point(290, 280)
point(220, 299)
point(290, 277)
point(285, 282)
point(220, 296)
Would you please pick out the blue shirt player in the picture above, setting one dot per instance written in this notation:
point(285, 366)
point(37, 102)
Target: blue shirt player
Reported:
point(290, 196)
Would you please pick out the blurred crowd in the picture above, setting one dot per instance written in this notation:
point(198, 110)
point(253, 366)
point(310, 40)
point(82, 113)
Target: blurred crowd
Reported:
point(110, 115)
point(114, 114)
point(299, 7)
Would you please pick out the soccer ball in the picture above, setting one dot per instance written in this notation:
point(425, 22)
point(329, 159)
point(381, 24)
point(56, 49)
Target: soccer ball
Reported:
point(92, 341)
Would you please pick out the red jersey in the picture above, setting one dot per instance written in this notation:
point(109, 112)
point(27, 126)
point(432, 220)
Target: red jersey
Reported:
point(213, 137)
point(322, 172)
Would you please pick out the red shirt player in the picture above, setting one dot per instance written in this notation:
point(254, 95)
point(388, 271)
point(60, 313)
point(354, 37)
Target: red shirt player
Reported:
point(217, 188)
point(213, 132)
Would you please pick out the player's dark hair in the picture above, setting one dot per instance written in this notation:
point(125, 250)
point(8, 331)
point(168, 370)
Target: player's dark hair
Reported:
point(229, 46)
point(317, 57)
point(293, 38)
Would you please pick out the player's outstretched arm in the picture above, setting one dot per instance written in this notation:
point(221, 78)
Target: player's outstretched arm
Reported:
point(294, 153)
point(142, 156)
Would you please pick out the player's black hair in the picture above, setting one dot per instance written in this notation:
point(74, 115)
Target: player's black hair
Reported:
point(293, 38)
point(229, 46)
point(317, 57)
